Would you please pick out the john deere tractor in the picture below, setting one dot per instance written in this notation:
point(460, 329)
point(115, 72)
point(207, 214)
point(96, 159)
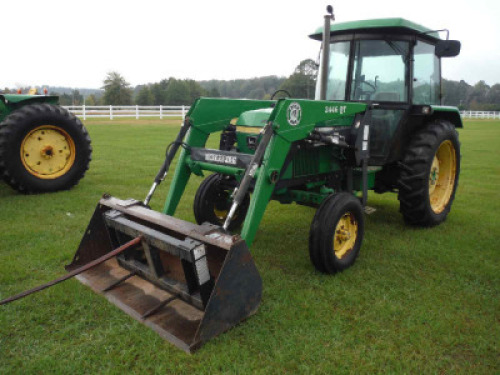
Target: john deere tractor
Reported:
point(43, 147)
point(376, 124)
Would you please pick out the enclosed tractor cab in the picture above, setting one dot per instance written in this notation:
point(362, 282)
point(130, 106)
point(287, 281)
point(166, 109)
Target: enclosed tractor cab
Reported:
point(394, 66)
point(376, 124)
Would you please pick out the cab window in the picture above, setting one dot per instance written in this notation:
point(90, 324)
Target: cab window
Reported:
point(426, 82)
point(380, 71)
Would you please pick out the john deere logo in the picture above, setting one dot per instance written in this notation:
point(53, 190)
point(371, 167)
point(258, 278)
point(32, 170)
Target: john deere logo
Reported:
point(294, 114)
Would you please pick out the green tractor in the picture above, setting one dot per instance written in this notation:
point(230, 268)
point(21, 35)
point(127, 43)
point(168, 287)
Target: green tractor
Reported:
point(43, 147)
point(377, 124)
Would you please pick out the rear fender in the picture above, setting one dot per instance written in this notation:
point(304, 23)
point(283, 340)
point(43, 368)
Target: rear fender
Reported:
point(11, 102)
point(450, 114)
point(13, 99)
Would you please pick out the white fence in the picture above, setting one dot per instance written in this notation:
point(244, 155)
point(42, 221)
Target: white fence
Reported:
point(137, 111)
point(480, 114)
point(161, 111)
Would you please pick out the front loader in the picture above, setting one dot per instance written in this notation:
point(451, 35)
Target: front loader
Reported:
point(377, 124)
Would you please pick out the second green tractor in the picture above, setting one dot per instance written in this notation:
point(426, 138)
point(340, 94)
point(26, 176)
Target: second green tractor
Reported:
point(43, 147)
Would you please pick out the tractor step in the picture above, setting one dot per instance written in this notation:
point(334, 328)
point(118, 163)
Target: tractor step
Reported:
point(370, 210)
point(187, 282)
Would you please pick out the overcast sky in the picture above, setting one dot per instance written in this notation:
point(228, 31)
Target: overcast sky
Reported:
point(69, 43)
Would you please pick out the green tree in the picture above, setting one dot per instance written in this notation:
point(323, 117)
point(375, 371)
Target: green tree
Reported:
point(159, 91)
point(243, 88)
point(176, 93)
point(91, 100)
point(76, 97)
point(493, 97)
point(302, 83)
point(66, 99)
point(455, 93)
point(183, 92)
point(145, 97)
point(258, 93)
point(117, 91)
point(478, 95)
point(214, 92)
point(194, 90)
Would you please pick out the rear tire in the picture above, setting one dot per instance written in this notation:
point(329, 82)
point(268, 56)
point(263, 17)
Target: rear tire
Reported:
point(43, 148)
point(212, 203)
point(336, 233)
point(429, 179)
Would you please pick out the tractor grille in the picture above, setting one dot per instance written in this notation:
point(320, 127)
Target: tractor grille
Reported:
point(306, 162)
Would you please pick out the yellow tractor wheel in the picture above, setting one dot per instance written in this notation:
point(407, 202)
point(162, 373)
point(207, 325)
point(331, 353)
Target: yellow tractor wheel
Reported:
point(429, 179)
point(48, 152)
point(336, 233)
point(212, 202)
point(442, 176)
point(43, 148)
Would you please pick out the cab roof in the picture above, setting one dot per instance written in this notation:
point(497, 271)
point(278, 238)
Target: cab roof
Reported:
point(392, 25)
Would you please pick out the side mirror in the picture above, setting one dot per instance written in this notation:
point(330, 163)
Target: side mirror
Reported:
point(447, 48)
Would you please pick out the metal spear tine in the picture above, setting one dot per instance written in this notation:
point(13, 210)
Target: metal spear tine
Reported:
point(77, 271)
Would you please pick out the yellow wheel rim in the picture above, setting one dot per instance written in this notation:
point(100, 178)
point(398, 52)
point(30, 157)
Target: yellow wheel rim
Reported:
point(48, 152)
point(345, 235)
point(220, 214)
point(442, 176)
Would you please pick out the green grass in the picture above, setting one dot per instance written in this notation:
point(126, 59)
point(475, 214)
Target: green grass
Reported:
point(416, 301)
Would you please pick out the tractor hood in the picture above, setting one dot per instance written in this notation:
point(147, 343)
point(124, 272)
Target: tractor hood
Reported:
point(255, 118)
point(17, 98)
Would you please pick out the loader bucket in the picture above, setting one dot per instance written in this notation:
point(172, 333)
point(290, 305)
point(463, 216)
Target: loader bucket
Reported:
point(187, 282)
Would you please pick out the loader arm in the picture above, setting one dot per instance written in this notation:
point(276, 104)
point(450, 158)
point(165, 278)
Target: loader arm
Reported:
point(292, 120)
point(207, 116)
point(288, 128)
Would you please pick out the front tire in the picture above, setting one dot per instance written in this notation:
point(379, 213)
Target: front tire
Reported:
point(212, 203)
point(43, 148)
point(336, 233)
point(429, 179)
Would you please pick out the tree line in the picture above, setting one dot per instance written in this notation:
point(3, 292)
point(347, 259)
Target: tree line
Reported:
point(172, 91)
point(300, 84)
point(479, 97)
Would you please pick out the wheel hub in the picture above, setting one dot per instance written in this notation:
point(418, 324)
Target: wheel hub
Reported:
point(47, 152)
point(442, 176)
point(434, 175)
point(345, 235)
point(221, 205)
point(220, 214)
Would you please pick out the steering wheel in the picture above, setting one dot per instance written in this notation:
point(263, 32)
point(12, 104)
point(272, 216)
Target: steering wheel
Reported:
point(281, 90)
point(360, 92)
point(372, 86)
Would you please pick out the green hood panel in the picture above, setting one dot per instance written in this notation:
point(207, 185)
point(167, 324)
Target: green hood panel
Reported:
point(258, 117)
point(17, 98)
point(11, 102)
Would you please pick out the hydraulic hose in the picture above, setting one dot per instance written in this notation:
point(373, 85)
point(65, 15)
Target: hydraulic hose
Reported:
point(241, 190)
point(171, 151)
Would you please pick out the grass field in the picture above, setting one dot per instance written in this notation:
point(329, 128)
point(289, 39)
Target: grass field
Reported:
point(416, 301)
